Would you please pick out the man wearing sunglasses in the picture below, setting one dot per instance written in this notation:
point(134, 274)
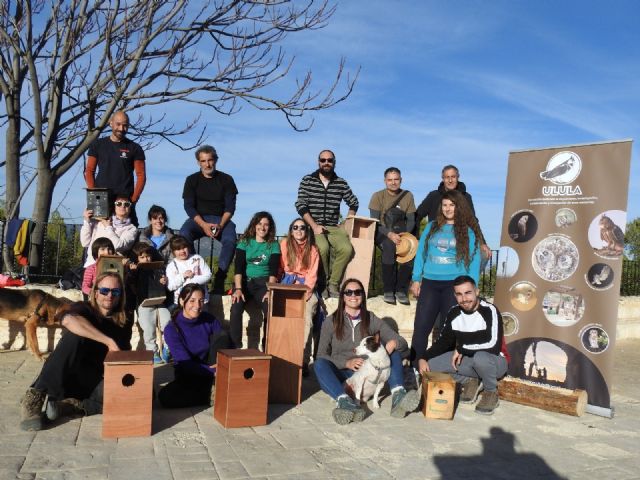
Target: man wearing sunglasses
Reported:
point(209, 198)
point(71, 378)
point(319, 197)
point(117, 158)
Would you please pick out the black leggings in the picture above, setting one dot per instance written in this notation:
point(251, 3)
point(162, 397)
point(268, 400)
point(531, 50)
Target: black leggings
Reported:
point(194, 390)
point(255, 288)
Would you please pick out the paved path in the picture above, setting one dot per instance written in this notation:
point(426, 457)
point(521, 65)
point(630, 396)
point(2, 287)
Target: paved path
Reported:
point(304, 443)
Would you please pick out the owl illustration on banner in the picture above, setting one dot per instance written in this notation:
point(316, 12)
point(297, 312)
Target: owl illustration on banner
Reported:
point(611, 234)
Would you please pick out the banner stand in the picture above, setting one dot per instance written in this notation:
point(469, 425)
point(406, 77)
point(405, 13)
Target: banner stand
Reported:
point(600, 411)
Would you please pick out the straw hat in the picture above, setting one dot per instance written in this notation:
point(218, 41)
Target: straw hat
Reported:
point(406, 249)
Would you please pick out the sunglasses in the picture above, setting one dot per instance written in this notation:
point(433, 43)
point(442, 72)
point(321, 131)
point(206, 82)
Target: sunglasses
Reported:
point(299, 227)
point(122, 204)
point(353, 293)
point(115, 292)
point(326, 160)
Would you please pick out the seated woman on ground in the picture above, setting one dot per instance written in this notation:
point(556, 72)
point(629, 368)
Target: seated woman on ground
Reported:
point(256, 264)
point(341, 333)
point(71, 378)
point(299, 263)
point(194, 338)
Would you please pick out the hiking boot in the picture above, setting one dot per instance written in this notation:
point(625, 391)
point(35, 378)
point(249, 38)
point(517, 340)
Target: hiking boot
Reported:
point(403, 402)
point(333, 291)
point(470, 390)
point(347, 411)
point(389, 298)
point(64, 408)
point(402, 298)
point(488, 403)
point(31, 410)
point(157, 359)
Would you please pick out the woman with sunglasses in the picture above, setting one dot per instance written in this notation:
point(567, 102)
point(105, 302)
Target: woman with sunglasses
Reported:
point(341, 333)
point(448, 248)
point(117, 228)
point(194, 338)
point(299, 263)
point(256, 264)
point(71, 378)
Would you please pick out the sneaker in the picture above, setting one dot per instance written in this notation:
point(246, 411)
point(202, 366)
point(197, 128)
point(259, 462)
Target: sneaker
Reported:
point(402, 298)
point(165, 355)
point(63, 408)
point(31, 410)
point(347, 411)
point(389, 297)
point(333, 290)
point(488, 403)
point(157, 358)
point(470, 390)
point(403, 402)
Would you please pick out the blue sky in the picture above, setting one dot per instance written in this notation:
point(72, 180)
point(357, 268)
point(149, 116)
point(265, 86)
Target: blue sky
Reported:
point(460, 82)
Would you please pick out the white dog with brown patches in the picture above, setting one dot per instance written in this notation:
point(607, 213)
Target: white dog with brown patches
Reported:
point(369, 379)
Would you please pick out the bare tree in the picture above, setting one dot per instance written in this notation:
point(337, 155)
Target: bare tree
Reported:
point(67, 66)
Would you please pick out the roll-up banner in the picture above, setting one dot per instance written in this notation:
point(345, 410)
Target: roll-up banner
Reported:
point(560, 263)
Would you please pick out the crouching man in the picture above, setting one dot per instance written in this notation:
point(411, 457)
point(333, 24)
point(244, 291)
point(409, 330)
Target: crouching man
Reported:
point(471, 347)
point(71, 378)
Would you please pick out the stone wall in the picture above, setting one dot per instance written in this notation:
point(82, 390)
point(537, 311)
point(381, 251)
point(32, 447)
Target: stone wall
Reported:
point(399, 316)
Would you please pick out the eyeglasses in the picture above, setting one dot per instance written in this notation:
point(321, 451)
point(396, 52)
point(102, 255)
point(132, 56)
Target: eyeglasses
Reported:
point(326, 160)
point(353, 293)
point(122, 204)
point(299, 227)
point(115, 292)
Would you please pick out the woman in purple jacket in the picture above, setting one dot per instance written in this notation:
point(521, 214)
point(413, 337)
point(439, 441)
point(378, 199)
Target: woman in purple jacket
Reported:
point(194, 338)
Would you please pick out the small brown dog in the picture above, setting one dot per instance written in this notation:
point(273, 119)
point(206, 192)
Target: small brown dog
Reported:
point(33, 308)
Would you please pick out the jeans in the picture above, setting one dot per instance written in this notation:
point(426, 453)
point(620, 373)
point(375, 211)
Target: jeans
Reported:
point(192, 232)
point(331, 378)
point(483, 365)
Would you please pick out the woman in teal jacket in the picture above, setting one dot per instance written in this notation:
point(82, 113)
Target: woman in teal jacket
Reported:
point(449, 247)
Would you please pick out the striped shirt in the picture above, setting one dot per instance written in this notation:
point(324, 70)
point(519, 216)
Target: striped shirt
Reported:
point(323, 204)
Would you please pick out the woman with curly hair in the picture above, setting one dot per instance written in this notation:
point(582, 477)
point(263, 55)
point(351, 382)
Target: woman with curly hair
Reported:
point(449, 247)
point(256, 264)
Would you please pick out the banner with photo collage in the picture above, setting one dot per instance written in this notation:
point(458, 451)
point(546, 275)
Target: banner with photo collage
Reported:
point(560, 263)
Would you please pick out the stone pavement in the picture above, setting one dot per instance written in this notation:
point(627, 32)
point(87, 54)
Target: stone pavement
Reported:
point(304, 443)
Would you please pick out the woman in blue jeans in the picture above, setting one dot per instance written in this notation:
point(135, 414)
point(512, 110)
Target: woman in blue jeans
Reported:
point(341, 333)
